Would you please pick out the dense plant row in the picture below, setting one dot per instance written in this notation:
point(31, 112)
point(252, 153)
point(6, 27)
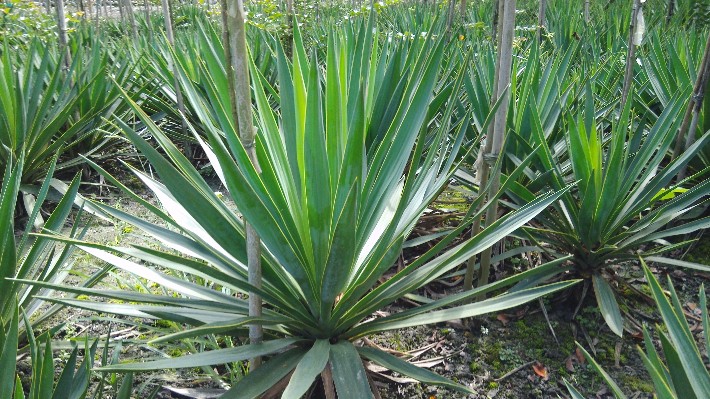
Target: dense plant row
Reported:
point(362, 119)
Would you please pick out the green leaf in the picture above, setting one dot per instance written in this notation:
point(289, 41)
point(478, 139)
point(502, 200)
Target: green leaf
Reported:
point(574, 393)
point(349, 374)
point(405, 368)
point(126, 387)
point(495, 304)
point(608, 305)
point(8, 356)
point(310, 366)
point(267, 375)
point(208, 358)
point(689, 361)
point(618, 394)
point(677, 370)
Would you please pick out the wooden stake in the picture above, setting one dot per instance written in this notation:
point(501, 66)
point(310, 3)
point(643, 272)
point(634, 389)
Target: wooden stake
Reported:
point(62, 32)
point(686, 133)
point(630, 55)
point(238, 59)
point(495, 139)
point(541, 20)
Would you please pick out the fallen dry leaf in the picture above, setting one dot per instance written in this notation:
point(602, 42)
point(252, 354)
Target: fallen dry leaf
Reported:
point(540, 370)
point(569, 364)
point(503, 319)
point(580, 356)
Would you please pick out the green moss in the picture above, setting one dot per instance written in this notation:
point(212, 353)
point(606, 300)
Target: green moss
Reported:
point(700, 253)
point(635, 383)
point(163, 323)
point(493, 385)
point(475, 367)
point(496, 365)
point(176, 352)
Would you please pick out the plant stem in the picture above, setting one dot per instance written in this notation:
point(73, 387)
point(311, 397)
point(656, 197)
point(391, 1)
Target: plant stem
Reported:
point(328, 386)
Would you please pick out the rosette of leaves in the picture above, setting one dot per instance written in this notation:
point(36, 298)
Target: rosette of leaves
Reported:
point(626, 203)
point(332, 214)
point(45, 109)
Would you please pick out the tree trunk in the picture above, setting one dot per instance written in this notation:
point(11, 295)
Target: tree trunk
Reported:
point(587, 16)
point(462, 10)
point(241, 96)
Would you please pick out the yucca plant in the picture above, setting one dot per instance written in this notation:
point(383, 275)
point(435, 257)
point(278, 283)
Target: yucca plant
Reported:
point(683, 374)
point(73, 383)
point(624, 200)
point(36, 258)
point(332, 215)
point(44, 108)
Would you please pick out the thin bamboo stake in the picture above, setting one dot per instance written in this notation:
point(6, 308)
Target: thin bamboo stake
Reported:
point(497, 7)
point(98, 14)
point(62, 32)
point(121, 14)
point(450, 15)
point(488, 150)
point(541, 19)
point(288, 39)
point(686, 133)
point(146, 15)
point(631, 54)
point(505, 65)
point(236, 33)
point(587, 16)
point(671, 11)
point(176, 83)
point(128, 7)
